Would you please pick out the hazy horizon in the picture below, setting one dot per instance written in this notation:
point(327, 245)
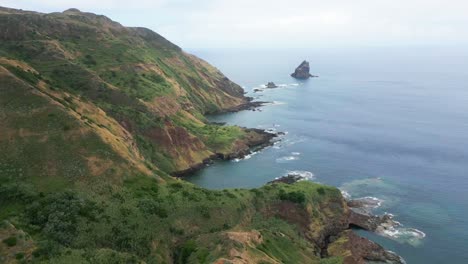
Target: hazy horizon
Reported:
point(282, 24)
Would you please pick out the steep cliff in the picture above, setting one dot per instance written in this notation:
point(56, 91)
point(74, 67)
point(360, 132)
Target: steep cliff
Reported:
point(151, 93)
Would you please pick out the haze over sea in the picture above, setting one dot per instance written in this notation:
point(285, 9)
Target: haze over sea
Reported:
point(385, 123)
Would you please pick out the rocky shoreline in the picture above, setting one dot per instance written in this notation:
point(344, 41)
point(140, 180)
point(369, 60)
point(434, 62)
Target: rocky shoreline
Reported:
point(361, 249)
point(248, 105)
point(265, 139)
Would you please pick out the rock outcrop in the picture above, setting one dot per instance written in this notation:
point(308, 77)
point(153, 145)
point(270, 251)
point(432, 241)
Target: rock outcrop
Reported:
point(271, 85)
point(360, 250)
point(253, 140)
point(302, 71)
point(338, 238)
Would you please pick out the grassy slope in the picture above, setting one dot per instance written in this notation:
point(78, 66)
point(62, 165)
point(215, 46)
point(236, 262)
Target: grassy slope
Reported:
point(143, 219)
point(136, 77)
point(93, 116)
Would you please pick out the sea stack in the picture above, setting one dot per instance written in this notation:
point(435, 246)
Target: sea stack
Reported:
point(271, 85)
point(302, 71)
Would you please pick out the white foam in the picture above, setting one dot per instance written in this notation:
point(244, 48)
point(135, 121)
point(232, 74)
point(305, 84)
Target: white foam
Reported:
point(295, 153)
point(246, 157)
point(345, 194)
point(278, 103)
point(371, 202)
point(403, 233)
point(306, 175)
point(286, 159)
point(250, 155)
point(273, 103)
point(394, 230)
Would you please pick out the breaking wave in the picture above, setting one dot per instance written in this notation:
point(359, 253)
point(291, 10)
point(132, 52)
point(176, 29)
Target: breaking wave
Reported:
point(246, 157)
point(391, 228)
point(306, 175)
point(396, 231)
point(286, 159)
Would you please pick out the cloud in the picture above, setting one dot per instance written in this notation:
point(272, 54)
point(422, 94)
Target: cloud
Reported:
point(275, 23)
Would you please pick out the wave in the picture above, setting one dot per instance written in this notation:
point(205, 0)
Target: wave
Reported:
point(295, 153)
point(286, 159)
point(246, 157)
point(286, 142)
point(394, 230)
point(275, 103)
point(368, 202)
point(295, 176)
point(307, 175)
point(345, 194)
point(263, 87)
point(283, 85)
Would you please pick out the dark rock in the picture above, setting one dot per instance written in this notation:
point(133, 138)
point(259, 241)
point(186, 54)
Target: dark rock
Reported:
point(361, 250)
point(365, 204)
point(369, 222)
point(246, 106)
point(303, 71)
point(271, 85)
point(288, 179)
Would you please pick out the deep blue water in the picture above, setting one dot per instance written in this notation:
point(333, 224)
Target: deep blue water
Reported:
point(387, 123)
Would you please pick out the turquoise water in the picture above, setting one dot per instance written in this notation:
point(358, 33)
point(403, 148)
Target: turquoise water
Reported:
point(391, 124)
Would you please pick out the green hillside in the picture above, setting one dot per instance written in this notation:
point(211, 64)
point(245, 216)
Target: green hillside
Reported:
point(94, 117)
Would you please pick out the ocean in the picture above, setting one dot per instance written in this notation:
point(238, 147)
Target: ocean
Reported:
point(386, 123)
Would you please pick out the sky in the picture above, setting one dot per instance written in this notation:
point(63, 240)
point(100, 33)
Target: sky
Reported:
point(285, 24)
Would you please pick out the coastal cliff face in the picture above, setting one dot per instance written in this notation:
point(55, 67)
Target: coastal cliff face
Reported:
point(91, 68)
point(94, 117)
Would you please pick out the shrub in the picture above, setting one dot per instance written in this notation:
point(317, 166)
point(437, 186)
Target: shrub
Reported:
point(58, 214)
point(176, 186)
point(19, 256)
point(205, 212)
point(182, 253)
point(89, 60)
point(321, 191)
point(295, 196)
point(152, 207)
point(11, 241)
point(14, 192)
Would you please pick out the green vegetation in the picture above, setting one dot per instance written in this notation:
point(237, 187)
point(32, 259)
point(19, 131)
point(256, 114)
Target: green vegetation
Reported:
point(217, 137)
point(28, 76)
point(184, 220)
point(11, 241)
point(134, 75)
point(19, 256)
point(295, 197)
point(94, 118)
